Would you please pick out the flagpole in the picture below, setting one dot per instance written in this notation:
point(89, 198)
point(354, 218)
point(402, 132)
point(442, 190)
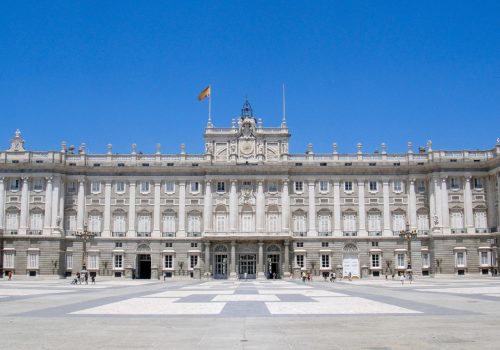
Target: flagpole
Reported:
point(210, 106)
point(283, 122)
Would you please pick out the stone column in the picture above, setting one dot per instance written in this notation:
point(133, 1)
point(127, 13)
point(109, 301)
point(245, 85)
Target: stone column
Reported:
point(285, 207)
point(207, 207)
point(260, 207)
point(412, 205)
point(131, 209)
point(437, 203)
point(260, 262)
point(469, 218)
point(106, 232)
point(286, 271)
point(182, 209)
point(233, 207)
point(55, 204)
point(207, 257)
point(490, 195)
point(233, 275)
point(445, 212)
point(432, 203)
point(312, 209)
point(47, 218)
point(62, 193)
point(337, 231)
point(23, 221)
point(2, 203)
point(387, 209)
point(156, 210)
point(80, 214)
point(362, 210)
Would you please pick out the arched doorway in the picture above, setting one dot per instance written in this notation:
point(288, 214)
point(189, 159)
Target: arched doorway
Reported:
point(143, 262)
point(273, 262)
point(220, 262)
point(350, 260)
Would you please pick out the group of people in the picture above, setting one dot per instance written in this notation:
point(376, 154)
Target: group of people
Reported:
point(83, 277)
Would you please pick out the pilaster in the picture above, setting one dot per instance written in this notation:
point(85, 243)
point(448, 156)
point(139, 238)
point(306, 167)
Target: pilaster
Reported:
point(56, 185)
point(2, 203)
point(106, 232)
point(207, 207)
point(182, 209)
point(80, 214)
point(47, 218)
point(312, 209)
point(156, 210)
point(387, 209)
point(285, 207)
point(469, 219)
point(362, 209)
point(131, 209)
point(337, 231)
point(23, 221)
point(260, 207)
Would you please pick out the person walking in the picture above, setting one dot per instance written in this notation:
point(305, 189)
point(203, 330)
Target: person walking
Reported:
point(410, 277)
point(10, 275)
point(86, 278)
point(303, 277)
point(92, 278)
point(402, 278)
point(79, 278)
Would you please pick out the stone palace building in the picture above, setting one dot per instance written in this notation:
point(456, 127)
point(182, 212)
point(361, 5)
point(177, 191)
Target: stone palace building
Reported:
point(247, 207)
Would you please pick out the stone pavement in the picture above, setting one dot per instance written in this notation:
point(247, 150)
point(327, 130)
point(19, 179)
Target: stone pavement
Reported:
point(364, 314)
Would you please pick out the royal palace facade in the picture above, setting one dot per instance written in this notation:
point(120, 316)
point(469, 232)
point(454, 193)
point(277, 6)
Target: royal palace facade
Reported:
point(246, 207)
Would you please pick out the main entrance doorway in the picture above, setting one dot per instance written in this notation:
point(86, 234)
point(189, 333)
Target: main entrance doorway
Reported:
point(273, 266)
point(350, 265)
point(248, 265)
point(220, 266)
point(144, 266)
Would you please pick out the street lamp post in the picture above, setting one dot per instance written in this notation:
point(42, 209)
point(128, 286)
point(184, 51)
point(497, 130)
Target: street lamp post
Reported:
point(408, 235)
point(84, 236)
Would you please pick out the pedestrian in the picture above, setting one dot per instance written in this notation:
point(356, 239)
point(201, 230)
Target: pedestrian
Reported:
point(350, 276)
point(10, 275)
point(334, 276)
point(86, 278)
point(303, 277)
point(402, 278)
point(393, 276)
point(410, 277)
point(308, 277)
point(78, 278)
point(386, 275)
point(92, 278)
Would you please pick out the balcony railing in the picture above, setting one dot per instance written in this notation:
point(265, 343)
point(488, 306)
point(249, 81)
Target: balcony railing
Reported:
point(483, 230)
point(423, 232)
point(374, 233)
point(300, 234)
point(325, 234)
point(168, 234)
point(194, 234)
point(457, 230)
point(96, 233)
point(12, 232)
point(118, 234)
point(143, 234)
point(350, 233)
point(69, 233)
point(34, 232)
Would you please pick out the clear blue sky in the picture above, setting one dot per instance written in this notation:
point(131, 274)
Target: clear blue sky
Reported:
point(130, 71)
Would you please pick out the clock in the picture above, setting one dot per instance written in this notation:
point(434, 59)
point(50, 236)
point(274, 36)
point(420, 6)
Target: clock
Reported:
point(246, 148)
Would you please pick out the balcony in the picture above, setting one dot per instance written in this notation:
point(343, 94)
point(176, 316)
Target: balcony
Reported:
point(118, 234)
point(11, 232)
point(325, 234)
point(143, 234)
point(300, 234)
point(350, 233)
point(457, 230)
point(422, 232)
point(194, 234)
point(35, 232)
point(96, 233)
point(374, 233)
point(483, 230)
point(70, 233)
point(168, 234)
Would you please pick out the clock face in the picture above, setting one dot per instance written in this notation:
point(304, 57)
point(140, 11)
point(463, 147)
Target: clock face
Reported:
point(246, 148)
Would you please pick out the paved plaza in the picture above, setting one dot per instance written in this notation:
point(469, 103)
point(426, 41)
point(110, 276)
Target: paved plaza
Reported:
point(280, 314)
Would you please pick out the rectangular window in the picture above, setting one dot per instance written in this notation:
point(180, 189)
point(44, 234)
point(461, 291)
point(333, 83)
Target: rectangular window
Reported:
point(247, 222)
point(401, 261)
point(460, 259)
point(480, 219)
point(454, 183)
point(8, 260)
point(168, 244)
point(69, 261)
point(168, 262)
point(95, 187)
point(273, 223)
point(484, 258)
point(15, 184)
point(169, 187)
point(374, 244)
point(143, 224)
point(36, 221)
point(71, 188)
point(300, 244)
point(120, 187)
point(38, 184)
point(33, 259)
point(299, 222)
point(426, 261)
point(221, 186)
point(168, 224)
point(374, 223)
point(324, 244)
point(247, 183)
point(194, 224)
point(324, 224)
point(422, 223)
point(325, 261)
point(457, 222)
point(221, 222)
point(478, 183)
point(144, 186)
point(373, 186)
point(119, 224)
point(299, 186)
point(397, 186)
point(272, 187)
point(195, 187)
point(118, 261)
point(93, 261)
point(95, 223)
point(375, 260)
point(349, 223)
point(194, 245)
point(299, 259)
point(323, 186)
point(421, 186)
point(193, 261)
point(398, 222)
point(348, 186)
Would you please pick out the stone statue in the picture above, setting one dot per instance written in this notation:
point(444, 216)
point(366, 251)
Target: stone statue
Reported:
point(284, 148)
point(233, 147)
point(436, 220)
point(260, 148)
point(208, 148)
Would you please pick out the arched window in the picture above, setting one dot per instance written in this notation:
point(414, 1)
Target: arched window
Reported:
point(374, 223)
point(480, 219)
point(273, 223)
point(349, 219)
point(119, 223)
point(95, 222)
point(398, 221)
point(457, 220)
point(168, 229)
point(324, 222)
point(12, 221)
point(36, 221)
point(144, 224)
point(422, 221)
point(299, 222)
point(70, 222)
point(247, 219)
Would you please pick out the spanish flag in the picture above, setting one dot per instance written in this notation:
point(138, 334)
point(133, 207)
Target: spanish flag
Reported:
point(204, 94)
